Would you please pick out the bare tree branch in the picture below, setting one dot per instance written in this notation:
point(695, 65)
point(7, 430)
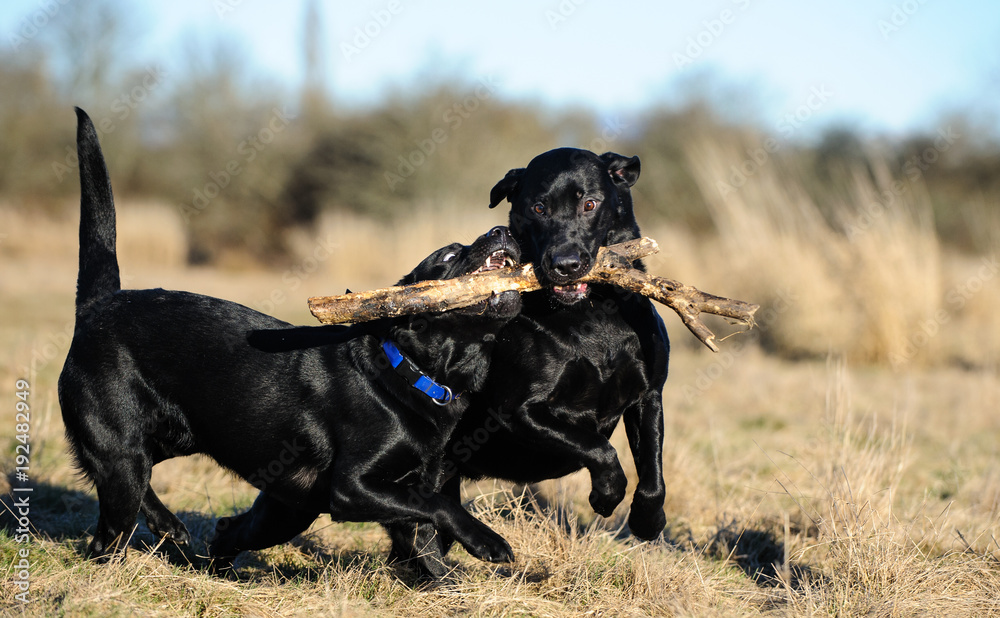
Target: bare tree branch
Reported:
point(613, 266)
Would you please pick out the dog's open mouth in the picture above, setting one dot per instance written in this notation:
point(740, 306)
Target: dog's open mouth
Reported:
point(571, 293)
point(496, 260)
point(505, 303)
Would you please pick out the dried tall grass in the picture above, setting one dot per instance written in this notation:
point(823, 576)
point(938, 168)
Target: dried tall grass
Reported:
point(864, 279)
point(880, 554)
point(149, 233)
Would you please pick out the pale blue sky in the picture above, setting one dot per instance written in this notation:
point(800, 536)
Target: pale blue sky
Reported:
point(884, 66)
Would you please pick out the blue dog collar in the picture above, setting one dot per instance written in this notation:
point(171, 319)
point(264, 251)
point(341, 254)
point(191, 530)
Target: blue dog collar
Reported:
point(439, 394)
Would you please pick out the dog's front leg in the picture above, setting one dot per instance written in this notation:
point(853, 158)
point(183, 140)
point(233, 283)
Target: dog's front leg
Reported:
point(644, 428)
point(644, 420)
point(589, 447)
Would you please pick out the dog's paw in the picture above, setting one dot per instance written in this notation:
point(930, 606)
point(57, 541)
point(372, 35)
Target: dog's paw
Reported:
point(104, 552)
point(495, 550)
point(608, 490)
point(487, 545)
point(222, 566)
point(221, 546)
point(176, 532)
point(646, 519)
point(180, 537)
point(647, 524)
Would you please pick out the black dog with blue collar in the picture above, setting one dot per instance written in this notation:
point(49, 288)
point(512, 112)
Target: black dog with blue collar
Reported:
point(322, 427)
point(416, 369)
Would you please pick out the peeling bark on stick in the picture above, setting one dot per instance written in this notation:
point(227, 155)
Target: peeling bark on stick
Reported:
point(613, 266)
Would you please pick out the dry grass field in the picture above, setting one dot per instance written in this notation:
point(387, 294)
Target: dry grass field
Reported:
point(843, 459)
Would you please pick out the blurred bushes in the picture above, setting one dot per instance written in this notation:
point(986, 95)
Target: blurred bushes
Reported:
point(244, 165)
point(447, 145)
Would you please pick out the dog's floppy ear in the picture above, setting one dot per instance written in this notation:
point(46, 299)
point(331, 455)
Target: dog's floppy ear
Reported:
point(622, 169)
point(506, 187)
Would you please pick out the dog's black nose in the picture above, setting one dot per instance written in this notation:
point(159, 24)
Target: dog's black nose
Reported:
point(567, 265)
point(501, 232)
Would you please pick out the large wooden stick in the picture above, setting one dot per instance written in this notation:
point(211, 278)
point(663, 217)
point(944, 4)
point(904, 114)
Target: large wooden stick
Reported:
point(613, 266)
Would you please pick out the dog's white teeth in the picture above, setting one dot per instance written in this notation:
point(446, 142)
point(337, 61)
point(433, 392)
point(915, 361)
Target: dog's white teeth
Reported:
point(577, 289)
point(496, 260)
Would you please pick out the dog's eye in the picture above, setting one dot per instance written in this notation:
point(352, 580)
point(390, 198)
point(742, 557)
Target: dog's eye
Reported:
point(590, 205)
point(449, 256)
point(539, 208)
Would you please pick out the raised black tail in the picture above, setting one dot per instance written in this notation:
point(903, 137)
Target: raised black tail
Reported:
point(99, 275)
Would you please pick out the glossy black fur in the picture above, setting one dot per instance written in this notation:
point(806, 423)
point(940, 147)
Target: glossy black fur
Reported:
point(566, 370)
point(155, 374)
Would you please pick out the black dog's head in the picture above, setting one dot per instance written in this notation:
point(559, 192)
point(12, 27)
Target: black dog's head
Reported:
point(566, 205)
point(454, 346)
point(491, 251)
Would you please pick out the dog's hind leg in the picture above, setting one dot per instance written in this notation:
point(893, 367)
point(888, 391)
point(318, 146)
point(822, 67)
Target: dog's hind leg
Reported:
point(452, 488)
point(120, 488)
point(161, 521)
point(104, 426)
point(419, 547)
point(269, 522)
